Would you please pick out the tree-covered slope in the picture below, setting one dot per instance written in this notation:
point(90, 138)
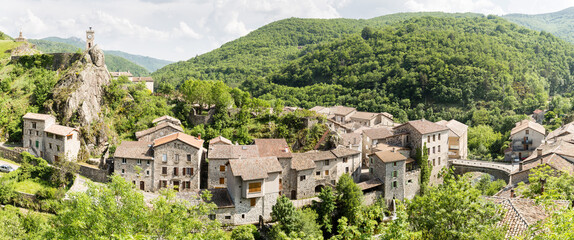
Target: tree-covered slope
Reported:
point(113, 62)
point(559, 23)
point(149, 63)
point(265, 49)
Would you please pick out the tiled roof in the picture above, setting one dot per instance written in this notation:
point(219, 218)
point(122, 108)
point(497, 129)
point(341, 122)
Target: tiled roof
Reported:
point(221, 198)
point(342, 110)
point(520, 213)
point(375, 182)
point(254, 168)
point(457, 128)
point(37, 116)
point(424, 127)
point(364, 115)
point(344, 152)
point(60, 130)
point(388, 156)
point(524, 124)
point(378, 133)
point(273, 147)
point(166, 117)
point(190, 140)
point(301, 161)
point(135, 150)
point(387, 147)
point(563, 130)
point(117, 74)
point(142, 79)
point(218, 151)
point(317, 108)
point(220, 139)
point(388, 115)
point(319, 155)
point(157, 128)
point(351, 138)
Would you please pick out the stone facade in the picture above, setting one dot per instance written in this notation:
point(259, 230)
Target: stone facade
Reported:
point(177, 166)
point(217, 173)
point(305, 184)
point(137, 171)
point(525, 140)
point(157, 132)
point(44, 138)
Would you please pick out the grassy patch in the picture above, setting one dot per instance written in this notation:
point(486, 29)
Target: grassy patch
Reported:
point(5, 46)
point(29, 186)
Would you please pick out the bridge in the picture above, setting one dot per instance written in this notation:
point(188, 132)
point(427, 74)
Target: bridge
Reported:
point(497, 169)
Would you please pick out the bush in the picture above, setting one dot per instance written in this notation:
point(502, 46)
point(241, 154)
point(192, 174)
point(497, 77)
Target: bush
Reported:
point(245, 232)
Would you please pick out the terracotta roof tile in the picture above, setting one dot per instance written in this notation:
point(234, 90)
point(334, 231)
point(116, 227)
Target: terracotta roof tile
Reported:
point(220, 140)
point(157, 128)
point(563, 130)
point(457, 128)
point(524, 124)
point(273, 147)
point(190, 140)
point(218, 151)
point(364, 115)
point(378, 133)
point(166, 117)
point(424, 127)
point(389, 157)
point(302, 161)
point(60, 130)
point(254, 168)
point(344, 152)
point(135, 150)
point(37, 116)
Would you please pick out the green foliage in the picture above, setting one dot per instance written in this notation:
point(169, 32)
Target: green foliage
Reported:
point(245, 232)
point(558, 23)
point(422, 157)
point(326, 208)
point(349, 199)
point(284, 214)
point(557, 185)
point(454, 210)
point(399, 229)
point(483, 140)
point(558, 226)
point(488, 187)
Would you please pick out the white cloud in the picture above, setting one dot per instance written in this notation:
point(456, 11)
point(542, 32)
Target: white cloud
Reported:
point(187, 31)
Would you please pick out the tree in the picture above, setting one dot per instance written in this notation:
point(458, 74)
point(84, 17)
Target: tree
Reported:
point(349, 198)
point(558, 226)
point(454, 210)
point(283, 212)
point(244, 232)
point(326, 208)
point(426, 168)
point(399, 229)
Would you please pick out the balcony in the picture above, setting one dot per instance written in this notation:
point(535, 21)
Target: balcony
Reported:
point(453, 147)
point(523, 141)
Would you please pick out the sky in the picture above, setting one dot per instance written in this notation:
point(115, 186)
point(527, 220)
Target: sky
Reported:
point(181, 29)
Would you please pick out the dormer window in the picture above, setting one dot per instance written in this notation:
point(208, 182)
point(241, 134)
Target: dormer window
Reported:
point(34, 125)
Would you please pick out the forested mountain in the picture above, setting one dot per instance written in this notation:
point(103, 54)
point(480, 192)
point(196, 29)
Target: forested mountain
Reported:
point(265, 49)
point(559, 23)
point(145, 64)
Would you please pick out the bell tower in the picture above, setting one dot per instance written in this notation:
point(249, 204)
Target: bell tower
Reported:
point(89, 38)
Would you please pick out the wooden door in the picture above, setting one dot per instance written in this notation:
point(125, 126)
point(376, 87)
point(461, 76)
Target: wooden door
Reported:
point(142, 185)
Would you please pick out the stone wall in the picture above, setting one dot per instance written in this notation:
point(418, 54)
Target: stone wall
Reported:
point(412, 184)
point(518, 177)
point(176, 157)
point(306, 187)
point(130, 174)
point(214, 173)
point(10, 154)
point(371, 197)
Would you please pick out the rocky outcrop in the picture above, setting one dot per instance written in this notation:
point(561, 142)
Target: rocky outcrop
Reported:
point(78, 95)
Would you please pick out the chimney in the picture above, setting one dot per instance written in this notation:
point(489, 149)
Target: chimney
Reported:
point(286, 149)
point(512, 193)
point(520, 166)
point(199, 136)
point(393, 149)
point(539, 152)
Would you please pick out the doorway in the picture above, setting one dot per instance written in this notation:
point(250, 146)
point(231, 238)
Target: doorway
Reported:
point(142, 185)
point(176, 185)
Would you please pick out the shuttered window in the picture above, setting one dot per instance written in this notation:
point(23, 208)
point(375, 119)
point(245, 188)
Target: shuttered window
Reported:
point(221, 180)
point(222, 168)
point(255, 187)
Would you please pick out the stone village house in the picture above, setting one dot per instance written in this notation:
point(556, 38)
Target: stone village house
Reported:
point(44, 138)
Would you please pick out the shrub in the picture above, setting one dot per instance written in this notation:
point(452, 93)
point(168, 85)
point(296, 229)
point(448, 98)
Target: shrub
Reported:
point(245, 232)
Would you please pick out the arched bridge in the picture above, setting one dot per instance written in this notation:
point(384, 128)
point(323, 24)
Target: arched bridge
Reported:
point(498, 170)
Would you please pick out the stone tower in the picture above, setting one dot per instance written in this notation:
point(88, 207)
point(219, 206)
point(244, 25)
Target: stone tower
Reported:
point(89, 38)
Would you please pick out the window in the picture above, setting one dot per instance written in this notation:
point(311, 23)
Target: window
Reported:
point(222, 168)
point(428, 138)
point(433, 139)
point(254, 187)
point(70, 137)
point(318, 173)
point(30, 142)
point(394, 164)
point(176, 158)
point(147, 173)
point(34, 125)
point(58, 148)
point(175, 171)
point(37, 144)
point(395, 173)
point(395, 184)
point(187, 184)
point(326, 172)
point(124, 161)
point(344, 159)
point(148, 162)
point(139, 162)
point(190, 171)
point(438, 148)
point(189, 157)
point(326, 162)
point(433, 149)
point(253, 202)
point(428, 150)
point(164, 157)
point(221, 180)
point(123, 171)
point(164, 170)
point(439, 136)
point(438, 160)
point(371, 170)
point(163, 184)
point(301, 178)
point(433, 162)
point(410, 181)
point(211, 217)
point(371, 158)
point(527, 131)
point(347, 169)
point(227, 217)
point(50, 145)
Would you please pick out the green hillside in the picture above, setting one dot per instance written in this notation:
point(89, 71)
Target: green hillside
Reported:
point(149, 63)
point(559, 23)
point(265, 49)
point(113, 62)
